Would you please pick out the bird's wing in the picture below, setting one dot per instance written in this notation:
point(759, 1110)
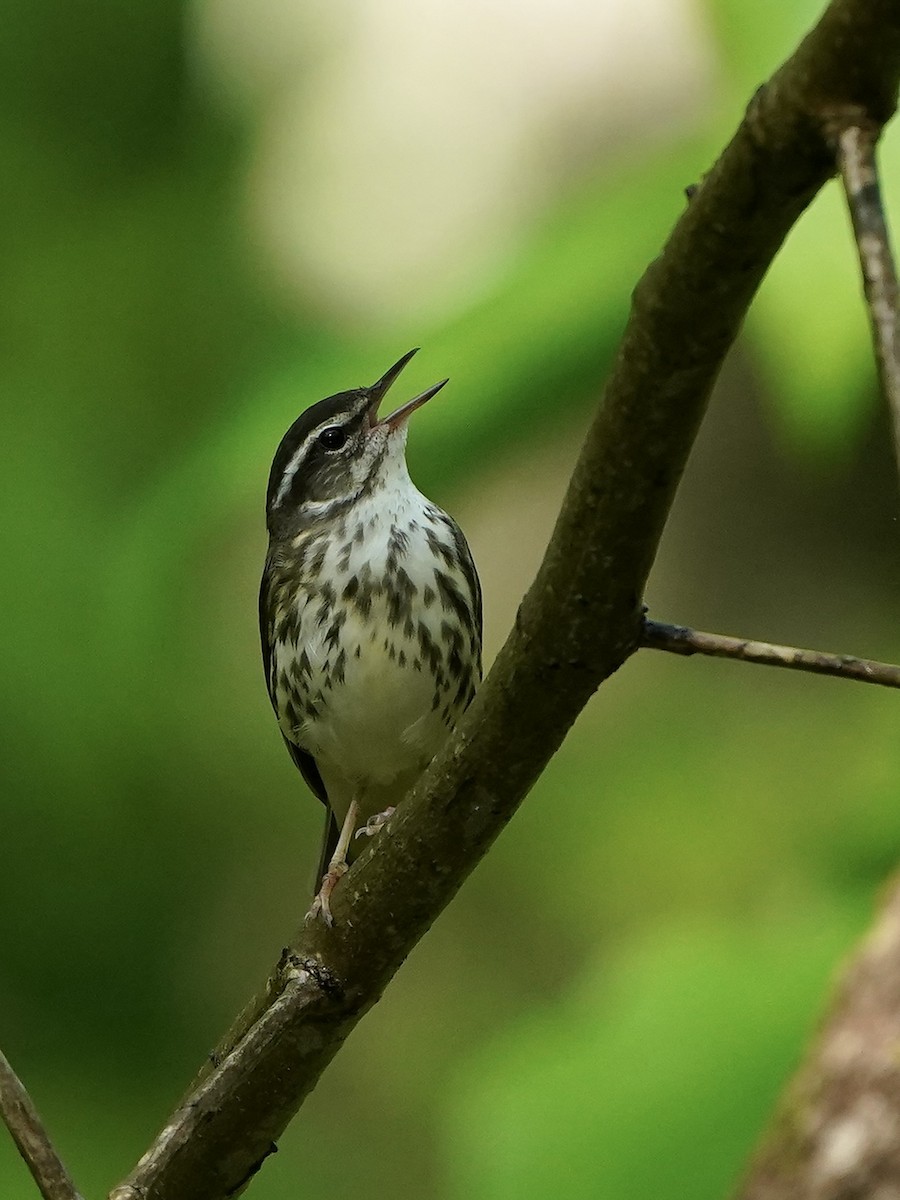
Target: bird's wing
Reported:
point(306, 765)
point(266, 632)
point(304, 762)
point(467, 566)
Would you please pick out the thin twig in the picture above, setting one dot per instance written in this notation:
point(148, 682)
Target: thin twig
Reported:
point(859, 171)
point(28, 1132)
point(678, 639)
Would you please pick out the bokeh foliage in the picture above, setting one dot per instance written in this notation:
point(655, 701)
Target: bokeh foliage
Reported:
point(615, 999)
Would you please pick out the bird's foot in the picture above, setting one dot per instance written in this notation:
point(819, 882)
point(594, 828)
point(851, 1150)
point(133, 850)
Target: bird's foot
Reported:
point(375, 824)
point(321, 905)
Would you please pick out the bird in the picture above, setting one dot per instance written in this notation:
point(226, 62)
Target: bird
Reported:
point(370, 615)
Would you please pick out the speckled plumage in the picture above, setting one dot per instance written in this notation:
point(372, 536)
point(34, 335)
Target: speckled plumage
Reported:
point(370, 608)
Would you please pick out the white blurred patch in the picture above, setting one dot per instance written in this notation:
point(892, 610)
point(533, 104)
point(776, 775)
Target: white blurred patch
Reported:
point(405, 144)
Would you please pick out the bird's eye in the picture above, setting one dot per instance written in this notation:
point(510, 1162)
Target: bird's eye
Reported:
point(333, 438)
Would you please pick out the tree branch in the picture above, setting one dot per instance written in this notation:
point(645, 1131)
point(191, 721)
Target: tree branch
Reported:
point(577, 624)
point(837, 1131)
point(31, 1138)
point(856, 143)
point(678, 639)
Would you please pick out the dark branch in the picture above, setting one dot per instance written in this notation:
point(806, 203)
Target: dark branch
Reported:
point(578, 623)
point(678, 639)
point(31, 1138)
point(859, 170)
point(837, 1131)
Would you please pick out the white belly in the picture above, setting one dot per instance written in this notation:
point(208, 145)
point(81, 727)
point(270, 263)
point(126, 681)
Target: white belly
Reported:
point(378, 721)
point(366, 690)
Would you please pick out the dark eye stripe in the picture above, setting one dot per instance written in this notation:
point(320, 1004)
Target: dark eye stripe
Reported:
point(297, 459)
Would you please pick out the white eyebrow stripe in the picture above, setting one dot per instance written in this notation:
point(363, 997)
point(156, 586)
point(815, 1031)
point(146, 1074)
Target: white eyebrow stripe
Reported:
point(297, 458)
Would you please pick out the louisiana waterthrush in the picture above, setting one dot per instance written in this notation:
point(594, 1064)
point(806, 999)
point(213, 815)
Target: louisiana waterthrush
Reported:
point(370, 614)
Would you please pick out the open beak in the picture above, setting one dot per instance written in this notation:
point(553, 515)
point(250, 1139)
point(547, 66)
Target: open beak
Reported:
point(378, 390)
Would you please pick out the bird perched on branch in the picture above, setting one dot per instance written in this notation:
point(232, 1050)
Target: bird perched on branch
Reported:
point(370, 614)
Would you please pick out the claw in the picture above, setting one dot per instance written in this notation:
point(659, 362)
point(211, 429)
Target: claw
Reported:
point(375, 824)
point(321, 905)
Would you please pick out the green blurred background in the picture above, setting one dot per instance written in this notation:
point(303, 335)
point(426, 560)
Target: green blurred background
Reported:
point(217, 213)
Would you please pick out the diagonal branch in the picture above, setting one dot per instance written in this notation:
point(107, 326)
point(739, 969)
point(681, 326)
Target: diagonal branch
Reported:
point(32, 1140)
point(856, 143)
point(678, 639)
point(578, 623)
